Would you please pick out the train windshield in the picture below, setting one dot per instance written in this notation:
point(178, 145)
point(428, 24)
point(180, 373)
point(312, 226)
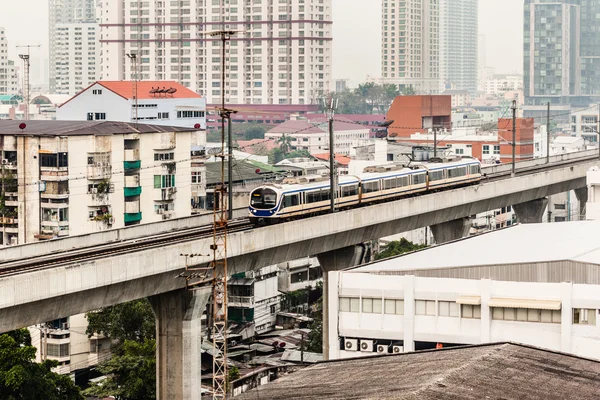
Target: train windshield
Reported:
point(263, 199)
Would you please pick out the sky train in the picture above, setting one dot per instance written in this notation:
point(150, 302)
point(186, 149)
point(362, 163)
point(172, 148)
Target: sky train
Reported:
point(307, 196)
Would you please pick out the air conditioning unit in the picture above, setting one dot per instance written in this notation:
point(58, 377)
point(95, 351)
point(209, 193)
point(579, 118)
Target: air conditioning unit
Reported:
point(366, 346)
point(397, 349)
point(351, 344)
point(381, 348)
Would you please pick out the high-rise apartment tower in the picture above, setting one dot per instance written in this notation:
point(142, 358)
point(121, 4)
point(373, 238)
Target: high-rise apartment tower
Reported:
point(410, 44)
point(280, 55)
point(9, 82)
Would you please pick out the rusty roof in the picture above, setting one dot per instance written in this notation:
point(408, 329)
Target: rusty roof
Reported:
point(80, 128)
point(493, 371)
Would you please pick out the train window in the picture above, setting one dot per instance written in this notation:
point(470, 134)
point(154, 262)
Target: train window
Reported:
point(313, 197)
point(405, 180)
point(418, 179)
point(474, 169)
point(349, 190)
point(325, 195)
point(290, 200)
point(389, 183)
point(263, 199)
point(436, 175)
point(370, 187)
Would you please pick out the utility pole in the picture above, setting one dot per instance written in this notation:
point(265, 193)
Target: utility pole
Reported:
point(598, 129)
point(514, 136)
point(26, 85)
point(548, 135)
point(330, 107)
point(133, 58)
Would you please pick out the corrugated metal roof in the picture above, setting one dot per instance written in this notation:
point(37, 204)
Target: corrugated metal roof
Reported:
point(81, 128)
point(494, 371)
point(525, 243)
point(525, 303)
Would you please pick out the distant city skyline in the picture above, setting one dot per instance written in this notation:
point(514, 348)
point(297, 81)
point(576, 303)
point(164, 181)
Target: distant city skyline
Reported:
point(356, 33)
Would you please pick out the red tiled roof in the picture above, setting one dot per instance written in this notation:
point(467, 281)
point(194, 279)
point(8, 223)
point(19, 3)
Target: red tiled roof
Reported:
point(314, 126)
point(125, 89)
point(339, 158)
point(250, 146)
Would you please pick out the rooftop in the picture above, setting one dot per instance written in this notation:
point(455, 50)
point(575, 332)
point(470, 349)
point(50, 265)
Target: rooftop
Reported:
point(80, 128)
point(524, 243)
point(493, 371)
point(318, 125)
point(145, 90)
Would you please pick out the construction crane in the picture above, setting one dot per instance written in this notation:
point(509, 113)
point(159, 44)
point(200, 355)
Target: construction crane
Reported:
point(26, 88)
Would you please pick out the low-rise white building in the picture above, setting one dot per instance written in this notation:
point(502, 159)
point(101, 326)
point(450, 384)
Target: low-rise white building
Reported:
point(68, 178)
point(165, 103)
point(540, 288)
point(313, 136)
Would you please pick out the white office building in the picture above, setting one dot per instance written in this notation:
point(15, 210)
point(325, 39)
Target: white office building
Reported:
point(410, 54)
point(543, 292)
point(458, 36)
point(282, 56)
point(165, 103)
point(74, 45)
point(70, 178)
point(9, 81)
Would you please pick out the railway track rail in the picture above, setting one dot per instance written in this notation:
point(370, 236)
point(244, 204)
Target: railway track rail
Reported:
point(90, 253)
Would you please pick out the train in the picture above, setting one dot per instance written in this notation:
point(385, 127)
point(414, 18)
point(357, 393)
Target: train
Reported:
point(306, 196)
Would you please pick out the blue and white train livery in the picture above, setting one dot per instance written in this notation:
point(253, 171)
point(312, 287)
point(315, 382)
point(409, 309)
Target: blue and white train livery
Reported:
point(307, 196)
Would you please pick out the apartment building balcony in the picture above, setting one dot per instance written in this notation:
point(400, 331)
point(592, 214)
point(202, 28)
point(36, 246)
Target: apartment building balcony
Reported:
point(54, 174)
point(132, 155)
point(99, 199)
point(240, 301)
point(132, 217)
point(167, 194)
point(99, 171)
point(132, 207)
point(132, 191)
point(132, 165)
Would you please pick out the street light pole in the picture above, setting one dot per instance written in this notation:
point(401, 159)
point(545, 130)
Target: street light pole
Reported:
point(514, 136)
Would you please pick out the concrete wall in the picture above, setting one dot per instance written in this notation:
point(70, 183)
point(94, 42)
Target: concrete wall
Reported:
point(582, 340)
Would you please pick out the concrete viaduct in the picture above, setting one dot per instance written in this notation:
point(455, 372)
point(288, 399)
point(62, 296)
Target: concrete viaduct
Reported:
point(92, 280)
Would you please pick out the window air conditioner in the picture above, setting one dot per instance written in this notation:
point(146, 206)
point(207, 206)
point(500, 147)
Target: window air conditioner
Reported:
point(366, 346)
point(382, 348)
point(397, 349)
point(351, 344)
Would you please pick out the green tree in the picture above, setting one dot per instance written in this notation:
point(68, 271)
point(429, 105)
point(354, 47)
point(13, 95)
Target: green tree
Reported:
point(298, 154)
point(408, 91)
point(315, 336)
point(285, 143)
point(128, 321)
point(396, 248)
point(254, 131)
point(130, 375)
point(23, 378)
point(233, 373)
point(276, 155)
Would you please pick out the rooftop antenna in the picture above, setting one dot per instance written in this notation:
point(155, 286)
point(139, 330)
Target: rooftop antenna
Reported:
point(26, 87)
point(133, 58)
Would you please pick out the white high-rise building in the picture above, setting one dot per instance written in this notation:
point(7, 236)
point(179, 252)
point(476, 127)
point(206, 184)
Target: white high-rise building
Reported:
point(74, 45)
point(458, 44)
point(410, 44)
point(9, 82)
point(282, 54)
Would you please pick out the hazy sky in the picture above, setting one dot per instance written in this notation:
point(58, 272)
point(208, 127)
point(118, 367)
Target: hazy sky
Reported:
point(357, 34)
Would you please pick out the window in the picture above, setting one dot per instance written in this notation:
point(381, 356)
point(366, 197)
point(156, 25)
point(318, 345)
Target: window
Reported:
point(58, 350)
point(54, 160)
point(584, 316)
point(447, 309)
point(97, 91)
point(349, 304)
point(425, 307)
point(496, 149)
point(163, 115)
point(469, 311)
point(526, 315)
point(486, 149)
point(164, 181)
point(190, 114)
point(196, 177)
point(290, 200)
point(418, 179)
point(273, 309)
point(369, 187)
point(560, 207)
point(394, 307)
point(164, 156)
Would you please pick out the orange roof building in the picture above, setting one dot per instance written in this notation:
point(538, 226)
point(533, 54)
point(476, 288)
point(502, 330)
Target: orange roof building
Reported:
point(148, 102)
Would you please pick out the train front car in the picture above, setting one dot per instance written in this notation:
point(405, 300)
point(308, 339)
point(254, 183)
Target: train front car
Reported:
point(264, 203)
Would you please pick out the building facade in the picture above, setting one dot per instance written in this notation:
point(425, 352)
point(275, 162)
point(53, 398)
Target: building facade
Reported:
point(165, 103)
point(458, 36)
point(69, 178)
point(9, 81)
point(282, 57)
point(410, 45)
point(74, 45)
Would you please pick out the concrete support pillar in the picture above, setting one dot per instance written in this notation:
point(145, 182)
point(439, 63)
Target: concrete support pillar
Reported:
point(531, 212)
point(451, 230)
point(334, 261)
point(177, 322)
point(582, 197)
